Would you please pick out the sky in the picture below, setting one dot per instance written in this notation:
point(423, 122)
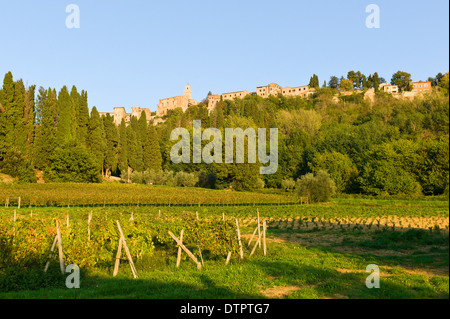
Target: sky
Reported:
point(133, 53)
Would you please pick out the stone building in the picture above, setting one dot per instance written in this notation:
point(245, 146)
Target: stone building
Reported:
point(303, 91)
point(183, 101)
point(213, 99)
point(271, 89)
point(233, 95)
point(388, 88)
point(421, 87)
point(120, 113)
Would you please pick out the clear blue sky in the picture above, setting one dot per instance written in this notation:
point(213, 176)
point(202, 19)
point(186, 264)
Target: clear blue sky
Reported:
point(132, 53)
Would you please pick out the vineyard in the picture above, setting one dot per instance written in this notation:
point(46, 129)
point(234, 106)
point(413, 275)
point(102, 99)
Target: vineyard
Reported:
point(322, 246)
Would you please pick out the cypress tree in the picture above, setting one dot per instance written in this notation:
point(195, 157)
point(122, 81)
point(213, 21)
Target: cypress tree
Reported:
point(111, 143)
point(152, 152)
point(96, 139)
point(75, 99)
point(64, 121)
point(82, 118)
point(135, 158)
point(44, 143)
point(123, 148)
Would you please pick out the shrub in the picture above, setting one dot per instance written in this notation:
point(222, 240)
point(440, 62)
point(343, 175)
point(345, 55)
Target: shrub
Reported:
point(317, 188)
point(259, 183)
point(288, 184)
point(186, 179)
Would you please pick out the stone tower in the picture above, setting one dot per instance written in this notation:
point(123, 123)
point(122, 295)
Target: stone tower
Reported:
point(188, 92)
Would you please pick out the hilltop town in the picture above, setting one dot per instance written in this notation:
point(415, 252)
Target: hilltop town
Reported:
point(185, 101)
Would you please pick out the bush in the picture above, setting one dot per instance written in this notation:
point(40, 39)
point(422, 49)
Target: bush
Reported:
point(186, 179)
point(317, 188)
point(73, 164)
point(259, 183)
point(288, 184)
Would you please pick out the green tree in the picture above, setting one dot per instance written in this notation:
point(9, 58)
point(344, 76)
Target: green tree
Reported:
point(318, 188)
point(152, 152)
point(74, 164)
point(123, 148)
point(334, 82)
point(340, 167)
point(44, 143)
point(346, 85)
point(111, 144)
point(96, 139)
point(402, 80)
point(64, 109)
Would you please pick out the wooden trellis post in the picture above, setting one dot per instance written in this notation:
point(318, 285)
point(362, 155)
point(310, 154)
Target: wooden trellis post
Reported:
point(89, 225)
point(179, 249)
point(191, 255)
point(56, 241)
point(122, 242)
point(239, 239)
point(259, 229)
point(264, 237)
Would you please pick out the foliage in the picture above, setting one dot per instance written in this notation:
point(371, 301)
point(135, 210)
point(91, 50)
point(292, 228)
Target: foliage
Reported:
point(318, 188)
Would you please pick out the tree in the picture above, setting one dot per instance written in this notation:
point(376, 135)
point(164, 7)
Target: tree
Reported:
point(111, 143)
point(318, 188)
point(402, 80)
point(64, 109)
point(44, 143)
point(334, 82)
point(152, 153)
point(346, 85)
point(74, 164)
point(82, 112)
point(96, 139)
point(123, 148)
point(314, 81)
point(340, 167)
point(376, 81)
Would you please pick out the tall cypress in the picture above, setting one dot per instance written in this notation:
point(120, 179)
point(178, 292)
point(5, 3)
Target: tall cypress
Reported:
point(96, 139)
point(123, 147)
point(111, 144)
point(44, 143)
point(152, 152)
point(82, 118)
point(64, 122)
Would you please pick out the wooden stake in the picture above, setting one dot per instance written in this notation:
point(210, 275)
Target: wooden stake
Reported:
point(239, 239)
point(60, 249)
point(199, 266)
point(264, 237)
point(201, 256)
point(223, 216)
point(51, 253)
point(119, 251)
point(196, 215)
point(251, 238)
point(259, 230)
point(15, 215)
point(127, 252)
point(228, 258)
point(89, 225)
point(179, 249)
point(254, 247)
point(18, 206)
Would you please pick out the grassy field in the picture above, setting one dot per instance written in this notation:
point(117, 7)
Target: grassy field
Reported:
point(313, 251)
